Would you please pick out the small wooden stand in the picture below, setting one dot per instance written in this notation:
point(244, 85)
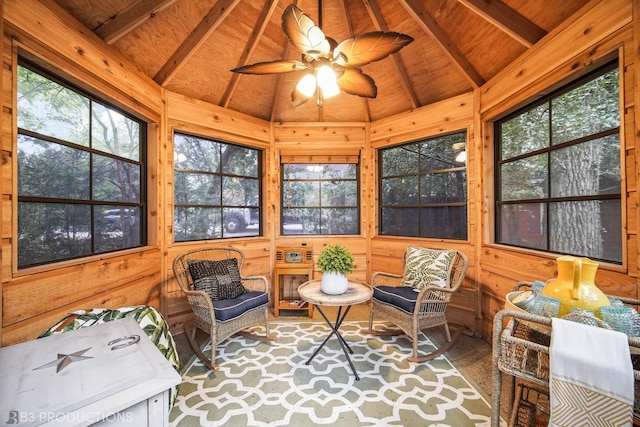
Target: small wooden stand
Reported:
point(294, 266)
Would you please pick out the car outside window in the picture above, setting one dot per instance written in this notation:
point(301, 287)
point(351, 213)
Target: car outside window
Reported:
point(81, 172)
point(320, 198)
point(216, 189)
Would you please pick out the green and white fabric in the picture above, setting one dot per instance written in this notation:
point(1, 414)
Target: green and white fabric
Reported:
point(426, 267)
point(149, 319)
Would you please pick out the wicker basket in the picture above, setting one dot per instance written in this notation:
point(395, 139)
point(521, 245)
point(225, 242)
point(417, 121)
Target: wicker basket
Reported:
point(524, 405)
point(524, 353)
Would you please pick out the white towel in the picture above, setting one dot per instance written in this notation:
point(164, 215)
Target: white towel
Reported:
point(591, 376)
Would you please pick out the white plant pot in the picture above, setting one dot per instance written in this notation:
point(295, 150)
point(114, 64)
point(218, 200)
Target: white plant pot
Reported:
point(333, 283)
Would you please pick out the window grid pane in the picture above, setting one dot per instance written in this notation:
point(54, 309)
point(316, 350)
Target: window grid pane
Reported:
point(52, 110)
point(559, 187)
point(216, 189)
point(80, 175)
point(423, 188)
point(320, 198)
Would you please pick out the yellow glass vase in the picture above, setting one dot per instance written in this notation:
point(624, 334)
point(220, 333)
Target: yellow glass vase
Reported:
point(575, 285)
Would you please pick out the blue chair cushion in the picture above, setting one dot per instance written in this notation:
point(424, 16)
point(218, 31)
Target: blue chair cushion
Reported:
point(402, 297)
point(228, 309)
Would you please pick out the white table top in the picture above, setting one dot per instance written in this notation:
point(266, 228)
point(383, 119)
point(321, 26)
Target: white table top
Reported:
point(356, 293)
point(98, 379)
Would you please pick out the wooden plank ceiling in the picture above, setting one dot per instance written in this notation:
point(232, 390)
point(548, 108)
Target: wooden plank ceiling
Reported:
point(190, 46)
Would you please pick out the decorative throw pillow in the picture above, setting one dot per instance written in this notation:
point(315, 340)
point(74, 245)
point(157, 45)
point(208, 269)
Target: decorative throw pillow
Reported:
point(427, 267)
point(219, 279)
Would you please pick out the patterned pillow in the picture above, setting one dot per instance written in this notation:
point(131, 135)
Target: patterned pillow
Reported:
point(427, 267)
point(219, 279)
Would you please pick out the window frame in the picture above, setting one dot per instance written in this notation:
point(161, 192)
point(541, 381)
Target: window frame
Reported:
point(33, 64)
point(419, 174)
point(259, 179)
point(578, 81)
point(341, 157)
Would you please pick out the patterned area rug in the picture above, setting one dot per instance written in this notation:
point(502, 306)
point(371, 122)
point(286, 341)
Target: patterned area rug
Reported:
point(269, 384)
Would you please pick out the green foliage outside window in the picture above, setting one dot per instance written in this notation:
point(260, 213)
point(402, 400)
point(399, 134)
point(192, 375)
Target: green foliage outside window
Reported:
point(216, 189)
point(80, 175)
point(558, 171)
point(320, 198)
point(423, 188)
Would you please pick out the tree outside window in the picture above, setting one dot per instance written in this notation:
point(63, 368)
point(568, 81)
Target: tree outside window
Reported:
point(423, 188)
point(320, 198)
point(558, 166)
point(216, 189)
point(80, 172)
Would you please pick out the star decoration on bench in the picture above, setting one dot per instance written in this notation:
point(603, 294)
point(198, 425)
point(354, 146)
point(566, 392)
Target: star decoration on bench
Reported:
point(65, 360)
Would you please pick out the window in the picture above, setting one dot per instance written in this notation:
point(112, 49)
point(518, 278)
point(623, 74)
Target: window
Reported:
point(423, 188)
point(80, 173)
point(558, 171)
point(320, 198)
point(216, 189)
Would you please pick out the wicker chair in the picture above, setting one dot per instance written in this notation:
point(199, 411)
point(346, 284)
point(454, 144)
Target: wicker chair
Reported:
point(206, 312)
point(418, 310)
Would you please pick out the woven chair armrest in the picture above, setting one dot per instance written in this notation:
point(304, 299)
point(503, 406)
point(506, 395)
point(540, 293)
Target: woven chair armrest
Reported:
point(433, 300)
point(199, 299)
point(386, 279)
point(256, 283)
point(196, 295)
point(431, 292)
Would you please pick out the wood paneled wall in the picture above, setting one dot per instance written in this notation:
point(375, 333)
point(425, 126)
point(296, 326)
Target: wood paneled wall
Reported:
point(453, 115)
point(600, 32)
point(211, 121)
point(33, 299)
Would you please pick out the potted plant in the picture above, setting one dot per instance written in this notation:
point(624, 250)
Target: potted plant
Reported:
point(335, 261)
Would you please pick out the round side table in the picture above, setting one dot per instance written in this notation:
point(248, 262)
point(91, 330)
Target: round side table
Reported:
point(356, 293)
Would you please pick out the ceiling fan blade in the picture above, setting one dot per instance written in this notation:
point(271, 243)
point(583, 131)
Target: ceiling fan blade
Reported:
point(303, 33)
point(354, 82)
point(369, 47)
point(272, 67)
point(298, 98)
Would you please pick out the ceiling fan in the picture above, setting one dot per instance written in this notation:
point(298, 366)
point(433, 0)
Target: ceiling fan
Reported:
point(329, 67)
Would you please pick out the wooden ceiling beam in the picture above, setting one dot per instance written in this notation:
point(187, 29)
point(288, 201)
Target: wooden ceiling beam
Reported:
point(274, 99)
point(258, 30)
point(346, 16)
point(198, 36)
point(507, 19)
point(431, 27)
point(130, 18)
point(286, 45)
point(379, 23)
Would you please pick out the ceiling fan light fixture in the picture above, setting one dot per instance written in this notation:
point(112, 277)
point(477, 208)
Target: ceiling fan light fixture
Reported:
point(327, 81)
point(307, 85)
point(334, 66)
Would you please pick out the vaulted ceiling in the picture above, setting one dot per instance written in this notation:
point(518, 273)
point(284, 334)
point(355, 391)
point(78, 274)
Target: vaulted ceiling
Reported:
point(190, 46)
